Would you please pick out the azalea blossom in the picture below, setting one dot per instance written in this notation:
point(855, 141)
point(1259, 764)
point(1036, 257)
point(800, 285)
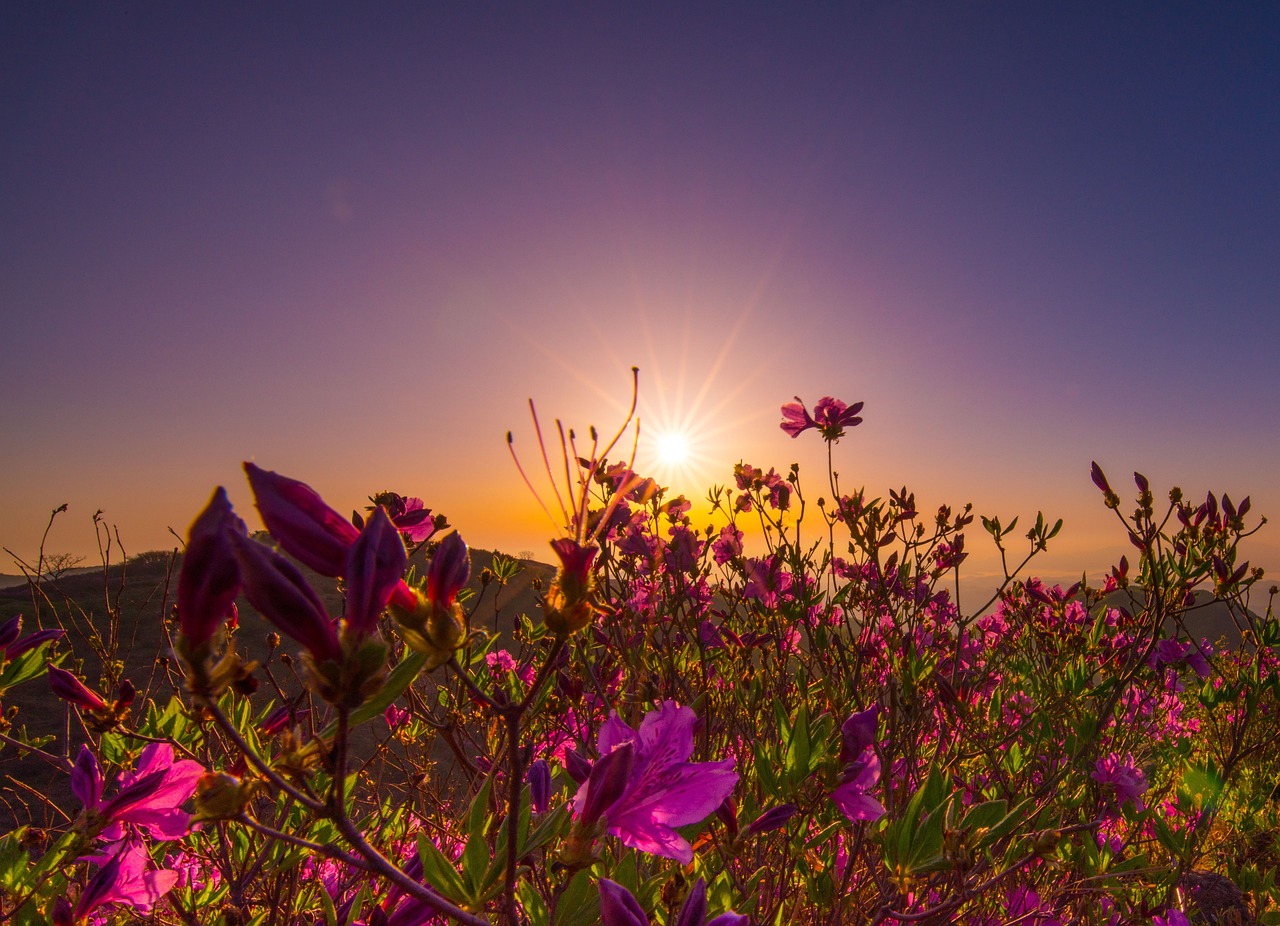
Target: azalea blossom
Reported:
point(830, 417)
point(644, 787)
point(127, 877)
point(1124, 779)
point(862, 768)
point(210, 578)
point(618, 907)
point(150, 797)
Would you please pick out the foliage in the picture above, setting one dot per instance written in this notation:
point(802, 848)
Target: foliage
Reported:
point(799, 729)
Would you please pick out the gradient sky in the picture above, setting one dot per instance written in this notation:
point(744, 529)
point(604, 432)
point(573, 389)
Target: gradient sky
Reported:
point(349, 243)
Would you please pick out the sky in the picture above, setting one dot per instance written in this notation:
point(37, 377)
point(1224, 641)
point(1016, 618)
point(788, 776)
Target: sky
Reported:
point(349, 244)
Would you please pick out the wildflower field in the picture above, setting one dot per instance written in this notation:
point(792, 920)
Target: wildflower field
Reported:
point(689, 726)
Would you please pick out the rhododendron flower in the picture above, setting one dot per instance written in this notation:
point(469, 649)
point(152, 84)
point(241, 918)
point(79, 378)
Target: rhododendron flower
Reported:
point(150, 797)
point(375, 565)
point(830, 416)
point(1125, 780)
point(570, 605)
point(657, 788)
point(70, 689)
point(12, 645)
point(308, 529)
point(618, 907)
point(126, 877)
point(210, 578)
point(277, 589)
point(409, 515)
point(862, 768)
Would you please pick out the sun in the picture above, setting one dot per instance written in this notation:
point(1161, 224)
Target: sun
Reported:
point(673, 449)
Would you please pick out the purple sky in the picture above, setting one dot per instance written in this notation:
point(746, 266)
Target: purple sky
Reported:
point(348, 244)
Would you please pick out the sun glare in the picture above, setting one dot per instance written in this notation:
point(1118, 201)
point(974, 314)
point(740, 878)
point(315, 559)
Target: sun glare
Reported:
point(673, 449)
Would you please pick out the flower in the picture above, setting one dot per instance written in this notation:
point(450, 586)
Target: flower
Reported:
point(571, 605)
point(70, 689)
point(126, 877)
point(411, 518)
point(375, 564)
point(1124, 779)
point(149, 797)
point(830, 416)
point(618, 907)
point(862, 768)
point(277, 589)
point(308, 529)
point(210, 578)
point(657, 788)
point(13, 645)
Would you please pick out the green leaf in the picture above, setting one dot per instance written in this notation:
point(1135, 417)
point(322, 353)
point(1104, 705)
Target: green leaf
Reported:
point(438, 871)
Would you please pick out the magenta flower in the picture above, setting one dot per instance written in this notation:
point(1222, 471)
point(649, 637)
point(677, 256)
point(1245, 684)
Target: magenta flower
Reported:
point(657, 788)
point(1124, 779)
point(70, 689)
point(13, 644)
point(150, 797)
point(449, 571)
point(410, 516)
point(375, 565)
point(830, 416)
point(277, 589)
point(210, 578)
point(308, 529)
point(862, 768)
point(126, 877)
point(618, 907)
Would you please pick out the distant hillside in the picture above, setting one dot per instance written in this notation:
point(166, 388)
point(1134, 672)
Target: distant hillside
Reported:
point(130, 601)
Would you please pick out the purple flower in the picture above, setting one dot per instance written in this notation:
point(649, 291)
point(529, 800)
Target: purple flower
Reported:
point(830, 416)
point(277, 589)
point(619, 908)
point(148, 797)
point(210, 578)
point(658, 788)
point(1124, 779)
point(308, 529)
point(409, 515)
point(375, 564)
point(126, 877)
point(70, 689)
point(539, 778)
point(862, 768)
point(449, 571)
point(31, 641)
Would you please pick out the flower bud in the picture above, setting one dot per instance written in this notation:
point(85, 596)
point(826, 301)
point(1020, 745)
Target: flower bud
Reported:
point(70, 689)
point(210, 578)
point(277, 589)
point(375, 564)
point(570, 604)
point(307, 528)
point(539, 777)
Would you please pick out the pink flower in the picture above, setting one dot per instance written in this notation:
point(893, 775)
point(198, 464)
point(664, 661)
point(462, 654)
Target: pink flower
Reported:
point(862, 768)
point(1125, 780)
point(830, 416)
point(150, 797)
point(657, 789)
point(210, 578)
point(126, 877)
point(618, 907)
point(409, 515)
point(70, 689)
